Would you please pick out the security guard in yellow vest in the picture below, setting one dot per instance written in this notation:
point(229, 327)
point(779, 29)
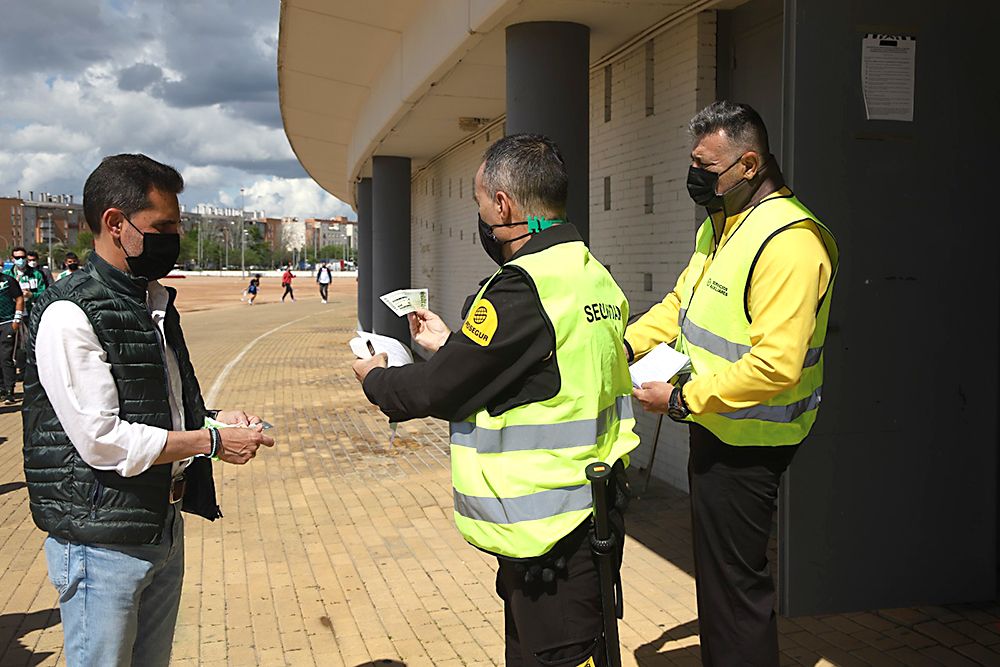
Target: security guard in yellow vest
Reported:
point(536, 386)
point(751, 311)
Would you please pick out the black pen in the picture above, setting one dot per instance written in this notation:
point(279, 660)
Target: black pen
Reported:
point(371, 348)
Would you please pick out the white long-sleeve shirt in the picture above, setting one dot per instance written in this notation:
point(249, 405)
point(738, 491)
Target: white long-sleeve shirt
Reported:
point(75, 373)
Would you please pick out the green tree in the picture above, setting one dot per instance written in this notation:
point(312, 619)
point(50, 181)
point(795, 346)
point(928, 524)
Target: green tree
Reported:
point(84, 244)
point(59, 251)
point(189, 248)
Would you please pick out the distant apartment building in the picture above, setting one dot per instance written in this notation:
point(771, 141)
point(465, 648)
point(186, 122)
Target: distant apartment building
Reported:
point(336, 231)
point(35, 222)
point(221, 225)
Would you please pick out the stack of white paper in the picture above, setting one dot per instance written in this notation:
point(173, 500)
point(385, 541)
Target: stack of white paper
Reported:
point(399, 354)
point(403, 301)
point(659, 365)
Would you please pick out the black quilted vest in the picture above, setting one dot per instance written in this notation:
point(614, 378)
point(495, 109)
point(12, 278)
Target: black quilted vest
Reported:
point(68, 498)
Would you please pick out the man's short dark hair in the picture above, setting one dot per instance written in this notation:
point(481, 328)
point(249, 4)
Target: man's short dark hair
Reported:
point(71, 255)
point(16, 248)
point(739, 122)
point(124, 182)
point(31, 253)
point(530, 168)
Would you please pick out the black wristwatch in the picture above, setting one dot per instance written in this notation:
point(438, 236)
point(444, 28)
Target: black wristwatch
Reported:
point(677, 409)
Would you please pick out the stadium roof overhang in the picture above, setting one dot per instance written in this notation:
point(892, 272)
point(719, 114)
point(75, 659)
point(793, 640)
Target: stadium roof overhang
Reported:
point(413, 77)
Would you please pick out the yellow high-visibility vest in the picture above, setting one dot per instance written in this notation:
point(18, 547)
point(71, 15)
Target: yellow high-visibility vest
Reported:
point(519, 478)
point(715, 325)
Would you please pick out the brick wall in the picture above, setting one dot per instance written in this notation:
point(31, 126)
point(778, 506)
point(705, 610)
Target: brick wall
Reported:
point(642, 221)
point(447, 257)
point(646, 235)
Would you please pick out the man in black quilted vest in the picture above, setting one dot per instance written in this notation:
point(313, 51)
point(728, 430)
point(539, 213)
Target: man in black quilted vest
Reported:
point(117, 440)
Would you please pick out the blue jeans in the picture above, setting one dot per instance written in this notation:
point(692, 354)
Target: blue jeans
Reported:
point(119, 603)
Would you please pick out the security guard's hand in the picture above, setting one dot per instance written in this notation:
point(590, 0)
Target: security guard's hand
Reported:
point(428, 329)
point(654, 396)
point(364, 366)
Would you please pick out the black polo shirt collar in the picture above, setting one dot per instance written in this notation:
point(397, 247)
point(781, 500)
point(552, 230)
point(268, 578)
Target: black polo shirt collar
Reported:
point(562, 233)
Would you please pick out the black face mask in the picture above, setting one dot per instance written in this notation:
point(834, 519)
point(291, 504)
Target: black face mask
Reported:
point(701, 184)
point(72, 267)
point(158, 256)
point(494, 246)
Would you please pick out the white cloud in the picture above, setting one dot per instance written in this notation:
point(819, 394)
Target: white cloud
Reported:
point(197, 177)
point(49, 139)
point(297, 197)
point(66, 111)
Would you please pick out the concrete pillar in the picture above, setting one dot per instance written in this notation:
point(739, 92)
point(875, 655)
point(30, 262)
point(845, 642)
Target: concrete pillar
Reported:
point(390, 240)
point(548, 92)
point(364, 196)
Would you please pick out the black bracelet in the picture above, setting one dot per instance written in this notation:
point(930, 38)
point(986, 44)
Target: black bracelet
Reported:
point(216, 438)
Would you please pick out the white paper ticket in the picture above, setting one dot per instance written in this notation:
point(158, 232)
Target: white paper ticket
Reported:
point(403, 301)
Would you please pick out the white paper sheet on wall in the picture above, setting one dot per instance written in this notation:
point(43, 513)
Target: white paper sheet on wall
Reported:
point(888, 66)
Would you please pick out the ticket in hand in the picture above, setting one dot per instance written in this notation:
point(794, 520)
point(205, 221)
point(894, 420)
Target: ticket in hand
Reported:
point(403, 301)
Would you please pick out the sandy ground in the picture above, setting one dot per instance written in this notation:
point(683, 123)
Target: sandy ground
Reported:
point(195, 293)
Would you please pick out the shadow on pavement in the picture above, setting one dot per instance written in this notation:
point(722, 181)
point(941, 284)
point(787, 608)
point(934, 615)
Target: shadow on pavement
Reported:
point(10, 487)
point(649, 654)
point(383, 662)
point(15, 626)
point(661, 520)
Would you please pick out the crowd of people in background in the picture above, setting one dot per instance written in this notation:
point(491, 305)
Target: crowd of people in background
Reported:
point(24, 278)
point(21, 283)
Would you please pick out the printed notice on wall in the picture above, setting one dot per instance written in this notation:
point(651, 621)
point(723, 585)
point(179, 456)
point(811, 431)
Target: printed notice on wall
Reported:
point(887, 67)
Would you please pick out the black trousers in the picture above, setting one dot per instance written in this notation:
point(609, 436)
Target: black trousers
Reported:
point(288, 292)
point(324, 288)
point(561, 623)
point(8, 340)
point(733, 494)
point(554, 623)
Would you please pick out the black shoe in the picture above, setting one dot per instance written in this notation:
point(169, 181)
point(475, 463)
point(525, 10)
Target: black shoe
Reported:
point(8, 399)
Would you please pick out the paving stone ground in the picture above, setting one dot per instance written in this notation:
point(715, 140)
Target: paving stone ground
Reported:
point(338, 548)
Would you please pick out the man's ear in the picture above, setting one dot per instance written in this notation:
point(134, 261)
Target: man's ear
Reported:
point(112, 221)
point(504, 205)
point(753, 163)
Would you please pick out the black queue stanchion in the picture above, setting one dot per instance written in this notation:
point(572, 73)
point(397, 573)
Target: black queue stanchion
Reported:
point(603, 544)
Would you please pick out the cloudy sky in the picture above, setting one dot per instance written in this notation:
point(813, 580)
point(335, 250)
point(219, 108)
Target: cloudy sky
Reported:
point(192, 83)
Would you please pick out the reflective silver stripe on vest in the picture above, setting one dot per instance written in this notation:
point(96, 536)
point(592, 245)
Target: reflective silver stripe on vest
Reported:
point(524, 437)
point(781, 414)
point(714, 343)
point(729, 350)
point(540, 505)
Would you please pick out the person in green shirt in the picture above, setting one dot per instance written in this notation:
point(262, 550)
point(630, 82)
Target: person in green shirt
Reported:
point(31, 279)
point(11, 307)
point(32, 282)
